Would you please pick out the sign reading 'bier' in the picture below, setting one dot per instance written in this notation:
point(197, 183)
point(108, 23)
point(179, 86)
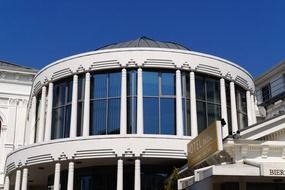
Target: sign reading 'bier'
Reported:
point(206, 144)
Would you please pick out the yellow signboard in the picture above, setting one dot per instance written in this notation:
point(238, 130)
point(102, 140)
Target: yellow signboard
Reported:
point(207, 143)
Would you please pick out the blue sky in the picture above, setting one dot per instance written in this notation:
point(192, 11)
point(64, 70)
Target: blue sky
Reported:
point(250, 33)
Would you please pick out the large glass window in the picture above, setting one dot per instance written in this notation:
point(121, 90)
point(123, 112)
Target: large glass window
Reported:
point(38, 103)
point(132, 102)
point(208, 101)
point(61, 109)
point(105, 103)
point(241, 107)
point(159, 102)
point(186, 104)
point(80, 104)
point(229, 111)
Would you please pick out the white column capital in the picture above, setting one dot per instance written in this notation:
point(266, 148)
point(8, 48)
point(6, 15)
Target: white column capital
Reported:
point(49, 112)
point(123, 115)
point(137, 174)
point(120, 175)
point(70, 179)
point(193, 108)
point(73, 122)
point(86, 112)
point(179, 115)
point(140, 102)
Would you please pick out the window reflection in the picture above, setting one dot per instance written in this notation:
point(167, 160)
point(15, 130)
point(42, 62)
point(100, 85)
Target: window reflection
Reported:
point(159, 102)
point(208, 101)
point(61, 112)
point(186, 103)
point(241, 107)
point(105, 103)
point(132, 102)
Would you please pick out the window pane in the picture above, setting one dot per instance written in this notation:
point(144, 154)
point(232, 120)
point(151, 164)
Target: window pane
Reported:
point(168, 83)
point(132, 116)
point(213, 90)
point(150, 83)
point(186, 117)
point(81, 87)
point(114, 116)
point(57, 123)
point(69, 86)
point(98, 117)
point(114, 85)
point(99, 83)
point(214, 113)
point(132, 83)
point(201, 116)
point(200, 88)
point(151, 115)
point(66, 129)
point(167, 118)
point(79, 118)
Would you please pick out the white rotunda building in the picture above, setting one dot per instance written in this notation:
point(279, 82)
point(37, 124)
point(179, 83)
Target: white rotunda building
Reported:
point(120, 117)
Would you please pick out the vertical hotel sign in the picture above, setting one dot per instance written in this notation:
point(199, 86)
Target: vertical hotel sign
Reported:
point(206, 144)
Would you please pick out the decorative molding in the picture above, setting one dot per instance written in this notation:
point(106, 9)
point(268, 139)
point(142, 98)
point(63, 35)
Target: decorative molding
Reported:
point(208, 69)
point(94, 153)
point(242, 82)
point(104, 64)
point(159, 63)
point(61, 73)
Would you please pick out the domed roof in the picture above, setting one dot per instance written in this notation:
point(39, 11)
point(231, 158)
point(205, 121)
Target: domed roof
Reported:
point(144, 42)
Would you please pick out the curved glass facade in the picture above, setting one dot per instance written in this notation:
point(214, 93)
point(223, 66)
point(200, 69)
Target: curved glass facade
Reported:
point(159, 103)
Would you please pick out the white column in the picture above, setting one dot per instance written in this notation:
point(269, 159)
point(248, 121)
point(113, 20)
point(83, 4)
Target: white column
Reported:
point(233, 108)
point(253, 109)
point(248, 105)
point(41, 129)
point(18, 180)
point(56, 184)
point(86, 112)
point(123, 123)
point(49, 112)
point(7, 183)
point(120, 175)
point(73, 122)
point(179, 115)
point(224, 113)
point(140, 103)
point(25, 179)
point(33, 120)
point(70, 180)
point(193, 109)
point(137, 174)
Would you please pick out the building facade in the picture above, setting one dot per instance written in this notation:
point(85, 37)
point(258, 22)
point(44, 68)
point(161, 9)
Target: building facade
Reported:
point(254, 159)
point(120, 117)
point(15, 88)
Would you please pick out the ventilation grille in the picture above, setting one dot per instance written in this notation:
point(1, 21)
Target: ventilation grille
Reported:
point(10, 167)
